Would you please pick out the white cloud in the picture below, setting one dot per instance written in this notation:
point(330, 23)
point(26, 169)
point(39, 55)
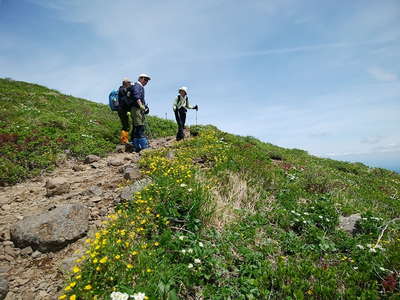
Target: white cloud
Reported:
point(382, 75)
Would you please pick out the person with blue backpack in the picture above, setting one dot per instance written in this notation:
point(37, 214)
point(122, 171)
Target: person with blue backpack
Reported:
point(139, 111)
point(124, 108)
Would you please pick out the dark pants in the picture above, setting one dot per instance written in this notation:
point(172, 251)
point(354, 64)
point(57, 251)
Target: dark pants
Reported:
point(138, 132)
point(123, 116)
point(180, 116)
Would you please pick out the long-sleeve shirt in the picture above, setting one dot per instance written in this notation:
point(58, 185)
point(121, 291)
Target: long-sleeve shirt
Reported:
point(137, 93)
point(180, 102)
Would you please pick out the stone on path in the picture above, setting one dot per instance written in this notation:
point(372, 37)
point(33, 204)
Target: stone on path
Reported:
point(348, 224)
point(131, 173)
point(91, 159)
point(95, 190)
point(52, 230)
point(78, 168)
point(115, 162)
point(137, 186)
point(3, 287)
point(57, 186)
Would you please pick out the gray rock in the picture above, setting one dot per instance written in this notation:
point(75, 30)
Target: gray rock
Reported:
point(78, 168)
point(137, 186)
point(131, 173)
point(115, 162)
point(36, 254)
point(120, 148)
point(57, 186)
point(348, 223)
point(91, 159)
point(52, 230)
point(26, 251)
point(3, 287)
point(95, 190)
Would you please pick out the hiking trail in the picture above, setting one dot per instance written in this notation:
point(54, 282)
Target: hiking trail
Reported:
point(96, 185)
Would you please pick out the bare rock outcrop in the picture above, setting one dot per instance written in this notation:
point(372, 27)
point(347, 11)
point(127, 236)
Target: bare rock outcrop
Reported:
point(137, 186)
point(348, 224)
point(52, 230)
point(57, 186)
point(91, 159)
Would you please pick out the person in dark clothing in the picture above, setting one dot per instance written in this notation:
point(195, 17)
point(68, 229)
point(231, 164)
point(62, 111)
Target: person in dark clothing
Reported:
point(180, 107)
point(124, 109)
point(139, 110)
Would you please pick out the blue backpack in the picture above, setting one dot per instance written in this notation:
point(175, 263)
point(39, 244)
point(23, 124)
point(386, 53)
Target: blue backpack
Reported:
point(113, 100)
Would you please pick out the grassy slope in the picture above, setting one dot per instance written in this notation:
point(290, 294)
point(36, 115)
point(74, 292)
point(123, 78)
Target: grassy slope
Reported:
point(222, 220)
point(228, 218)
point(37, 124)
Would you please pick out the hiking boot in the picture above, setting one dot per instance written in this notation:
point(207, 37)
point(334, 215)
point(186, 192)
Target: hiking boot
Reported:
point(129, 147)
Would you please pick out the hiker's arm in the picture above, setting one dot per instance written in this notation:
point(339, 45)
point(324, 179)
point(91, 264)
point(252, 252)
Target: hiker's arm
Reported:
point(140, 104)
point(137, 93)
point(188, 105)
point(175, 104)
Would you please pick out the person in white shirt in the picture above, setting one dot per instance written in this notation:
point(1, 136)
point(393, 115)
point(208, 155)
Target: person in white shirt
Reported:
point(180, 107)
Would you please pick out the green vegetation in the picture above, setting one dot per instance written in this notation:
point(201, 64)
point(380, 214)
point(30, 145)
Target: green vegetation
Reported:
point(222, 220)
point(226, 217)
point(37, 125)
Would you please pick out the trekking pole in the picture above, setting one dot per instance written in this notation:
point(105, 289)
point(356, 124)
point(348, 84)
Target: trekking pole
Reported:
point(196, 117)
point(146, 124)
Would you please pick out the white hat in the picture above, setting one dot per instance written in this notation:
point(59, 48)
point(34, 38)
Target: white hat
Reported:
point(144, 75)
point(126, 79)
point(184, 88)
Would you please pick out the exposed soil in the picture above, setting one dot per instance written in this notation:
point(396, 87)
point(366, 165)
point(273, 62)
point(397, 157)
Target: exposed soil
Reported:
point(33, 275)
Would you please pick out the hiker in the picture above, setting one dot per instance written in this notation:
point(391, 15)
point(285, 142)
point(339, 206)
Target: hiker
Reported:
point(138, 112)
point(123, 109)
point(180, 107)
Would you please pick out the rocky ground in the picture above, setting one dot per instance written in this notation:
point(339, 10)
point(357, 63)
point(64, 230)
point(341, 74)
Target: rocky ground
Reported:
point(43, 222)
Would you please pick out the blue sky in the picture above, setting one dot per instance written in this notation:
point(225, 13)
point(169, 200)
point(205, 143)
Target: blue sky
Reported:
point(323, 76)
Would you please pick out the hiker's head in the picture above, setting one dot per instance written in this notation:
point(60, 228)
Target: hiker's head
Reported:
point(126, 82)
point(144, 79)
point(183, 91)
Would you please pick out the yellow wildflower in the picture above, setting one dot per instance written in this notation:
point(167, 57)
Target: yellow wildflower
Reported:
point(104, 260)
point(129, 266)
point(87, 287)
point(117, 256)
point(72, 284)
point(73, 297)
point(62, 297)
point(76, 269)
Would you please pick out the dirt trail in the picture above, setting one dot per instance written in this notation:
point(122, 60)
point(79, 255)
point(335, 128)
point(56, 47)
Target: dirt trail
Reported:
point(33, 275)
